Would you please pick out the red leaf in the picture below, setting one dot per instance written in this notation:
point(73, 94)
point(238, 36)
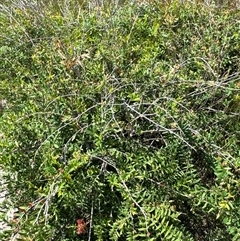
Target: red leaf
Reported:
point(81, 226)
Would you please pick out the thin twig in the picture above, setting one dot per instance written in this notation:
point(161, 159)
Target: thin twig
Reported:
point(91, 222)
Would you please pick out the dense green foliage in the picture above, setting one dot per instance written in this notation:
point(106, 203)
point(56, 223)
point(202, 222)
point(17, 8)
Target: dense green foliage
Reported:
point(125, 118)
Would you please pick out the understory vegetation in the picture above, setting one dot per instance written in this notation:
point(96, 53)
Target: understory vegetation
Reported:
point(120, 121)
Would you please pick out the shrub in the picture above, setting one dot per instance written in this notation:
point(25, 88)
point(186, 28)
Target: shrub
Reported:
point(121, 124)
